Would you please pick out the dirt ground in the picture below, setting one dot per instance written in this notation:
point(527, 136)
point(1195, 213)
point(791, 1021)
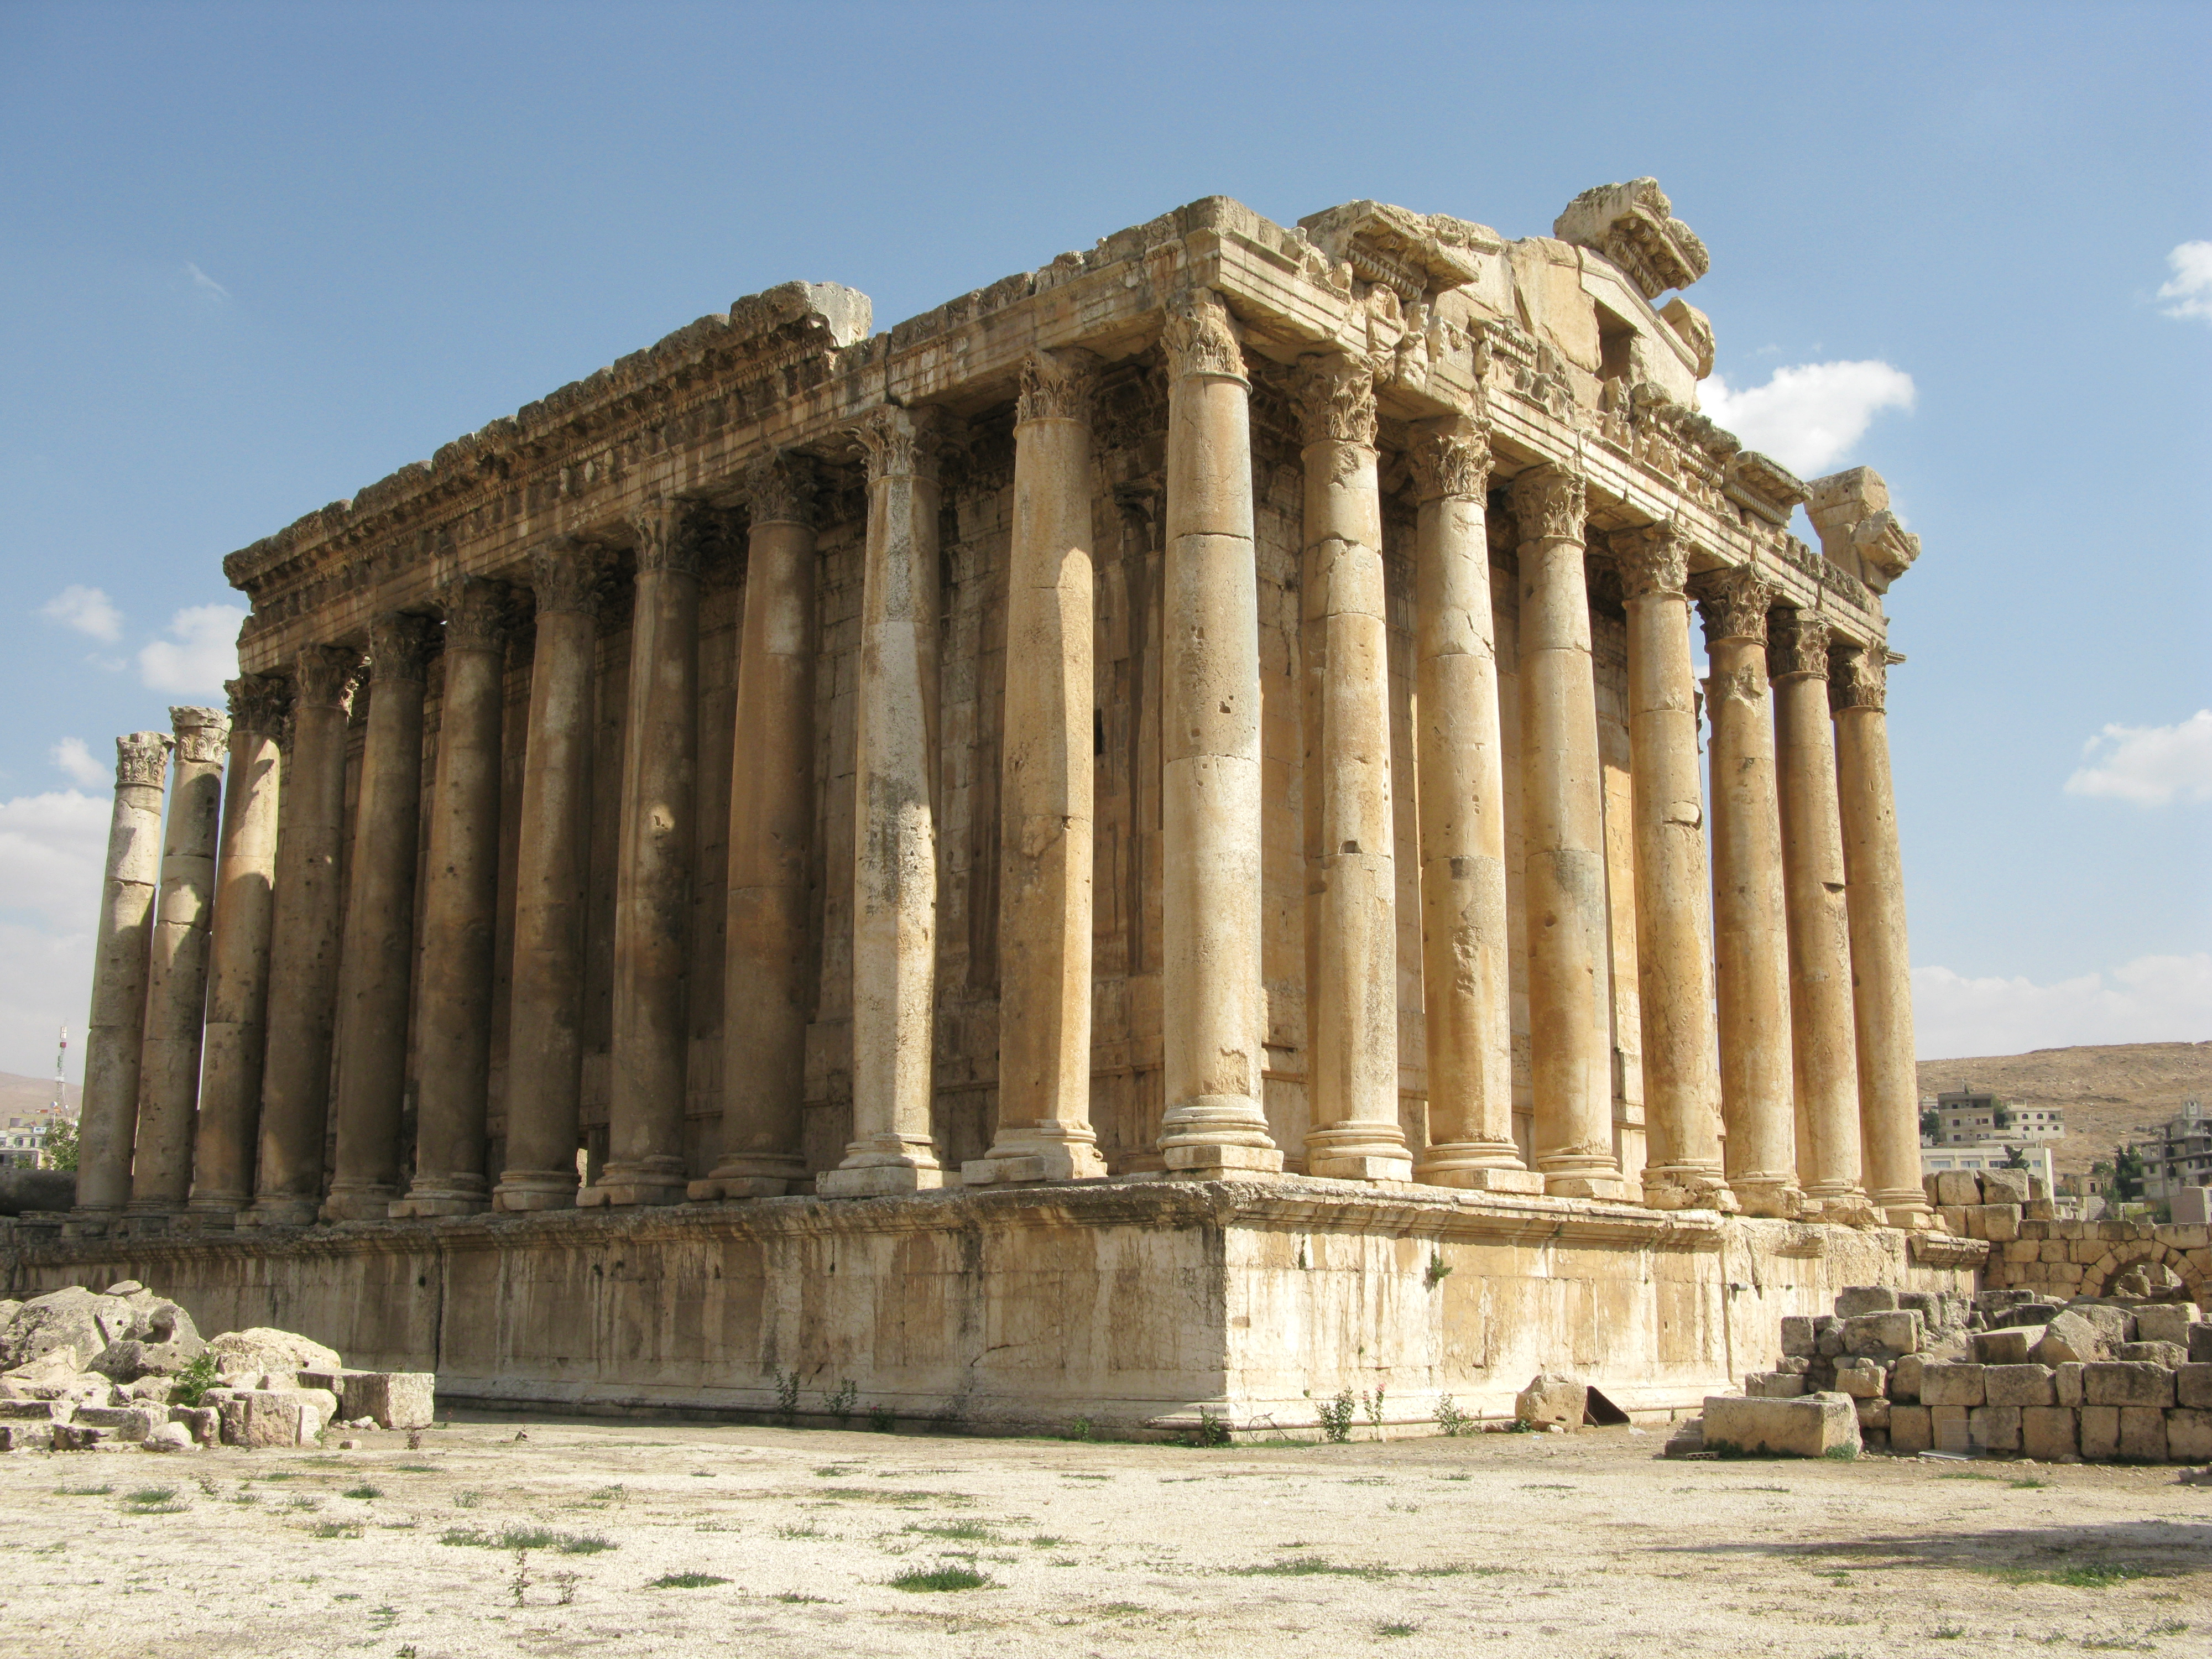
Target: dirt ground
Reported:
point(574, 1537)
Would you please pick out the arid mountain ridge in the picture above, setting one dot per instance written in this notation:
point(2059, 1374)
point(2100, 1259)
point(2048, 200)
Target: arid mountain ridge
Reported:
point(2111, 1095)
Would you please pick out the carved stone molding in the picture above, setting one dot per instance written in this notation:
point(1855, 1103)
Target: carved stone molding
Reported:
point(201, 734)
point(478, 612)
point(1336, 400)
point(1450, 458)
point(1548, 501)
point(1733, 605)
point(1200, 336)
point(1797, 647)
point(1057, 385)
point(323, 676)
point(398, 647)
point(900, 443)
point(664, 539)
point(141, 758)
point(1858, 678)
point(1653, 559)
point(259, 703)
point(780, 487)
point(568, 574)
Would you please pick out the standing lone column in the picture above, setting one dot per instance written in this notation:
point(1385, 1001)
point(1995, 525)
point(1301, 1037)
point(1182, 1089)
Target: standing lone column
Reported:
point(1353, 1002)
point(107, 1114)
point(176, 986)
point(650, 1054)
point(379, 926)
point(460, 908)
point(766, 994)
point(1466, 974)
point(1044, 1131)
point(304, 946)
point(545, 1040)
point(238, 952)
point(894, 839)
point(1881, 980)
point(1210, 800)
point(1569, 1022)
point(1681, 1089)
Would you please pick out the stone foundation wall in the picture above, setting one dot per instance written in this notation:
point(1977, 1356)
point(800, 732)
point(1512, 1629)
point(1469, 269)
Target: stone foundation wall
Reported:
point(2067, 1259)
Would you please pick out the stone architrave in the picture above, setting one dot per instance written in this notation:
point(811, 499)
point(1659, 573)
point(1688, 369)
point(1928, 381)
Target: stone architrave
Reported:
point(460, 908)
point(767, 987)
point(238, 952)
point(304, 946)
point(176, 984)
point(650, 1049)
point(1352, 1016)
point(107, 1114)
point(895, 840)
point(1466, 996)
point(1214, 1024)
point(545, 1008)
point(1751, 961)
point(1874, 893)
point(1681, 1087)
point(1569, 1018)
point(1044, 1131)
point(379, 926)
point(1824, 1040)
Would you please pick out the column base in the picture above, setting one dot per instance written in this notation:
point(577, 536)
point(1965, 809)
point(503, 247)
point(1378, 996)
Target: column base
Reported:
point(1040, 1151)
point(1848, 1208)
point(1214, 1158)
point(1218, 1132)
point(652, 1181)
point(282, 1213)
point(216, 1212)
point(1586, 1184)
point(520, 1191)
point(1774, 1196)
point(366, 1200)
point(144, 1223)
point(452, 1198)
point(90, 1224)
point(751, 1174)
point(1479, 1177)
point(877, 1180)
point(1905, 1207)
point(1360, 1150)
point(1687, 1187)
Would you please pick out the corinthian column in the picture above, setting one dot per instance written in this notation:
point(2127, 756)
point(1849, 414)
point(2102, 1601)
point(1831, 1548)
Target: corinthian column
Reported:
point(460, 908)
point(1571, 1062)
point(1210, 801)
point(108, 1113)
point(1681, 1089)
point(1881, 979)
point(765, 998)
point(1044, 1131)
point(651, 1044)
point(545, 1046)
point(304, 947)
point(379, 926)
point(1466, 974)
point(1352, 1009)
point(238, 952)
point(895, 840)
point(176, 986)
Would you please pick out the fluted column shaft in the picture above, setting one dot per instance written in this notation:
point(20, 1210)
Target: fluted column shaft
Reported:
point(895, 840)
point(545, 1004)
point(238, 952)
point(1570, 1061)
point(1212, 1013)
point(107, 1112)
point(304, 948)
point(1044, 1130)
point(377, 982)
point(460, 908)
point(767, 987)
point(1681, 1086)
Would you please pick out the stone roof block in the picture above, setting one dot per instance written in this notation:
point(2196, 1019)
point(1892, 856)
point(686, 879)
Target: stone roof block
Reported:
point(1634, 226)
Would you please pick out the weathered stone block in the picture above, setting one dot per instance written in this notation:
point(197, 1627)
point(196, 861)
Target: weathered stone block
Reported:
point(2200, 1345)
point(1828, 1336)
point(1798, 1336)
point(1862, 1379)
point(2066, 1378)
point(265, 1417)
point(2142, 1434)
point(2004, 1187)
point(1953, 1217)
point(2027, 1313)
point(2100, 1432)
point(1958, 1186)
point(203, 1423)
point(2127, 1383)
point(2166, 1322)
point(2069, 1337)
point(1910, 1431)
point(51, 1410)
point(1864, 1299)
point(2040, 1209)
point(1811, 1427)
point(1548, 1399)
point(1994, 1428)
point(2019, 1385)
point(2193, 1386)
point(2010, 1347)
point(1948, 1429)
point(1927, 1303)
point(2049, 1434)
point(1774, 1385)
point(122, 1422)
point(2023, 1250)
point(167, 1437)
point(1872, 1414)
point(2189, 1436)
point(404, 1399)
point(1887, 1335)
point(1999, 1223)
point(2115, 1325)
point(1905, 1379)
point(1951, 1384)
point(1797, 1364)
point(2168, 1354)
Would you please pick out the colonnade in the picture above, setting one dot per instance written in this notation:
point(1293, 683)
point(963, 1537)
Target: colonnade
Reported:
point(1775, 1038)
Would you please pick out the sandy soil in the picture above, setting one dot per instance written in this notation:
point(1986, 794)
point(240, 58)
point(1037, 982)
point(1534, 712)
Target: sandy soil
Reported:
point(1582, 1545)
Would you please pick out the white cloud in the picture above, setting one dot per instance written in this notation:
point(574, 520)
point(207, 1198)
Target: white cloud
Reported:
point(1809, 416)
point(74, 759)
point(204, 654)
point(87, 609)
point(2191, 290)
point(53, 856)
point(46, 982)
point(205, 283)
point(2149, 765)
point(53, 852)
point(2150, 1000)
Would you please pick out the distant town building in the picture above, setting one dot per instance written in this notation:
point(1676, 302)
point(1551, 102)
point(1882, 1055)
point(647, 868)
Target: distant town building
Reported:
point(1973, 1116)
point(23, 1142)
point(1994, 1155)
point(2178, 1153)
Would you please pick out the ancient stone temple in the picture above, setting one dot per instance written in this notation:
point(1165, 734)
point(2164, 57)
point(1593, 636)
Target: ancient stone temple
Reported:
point(1147, 841)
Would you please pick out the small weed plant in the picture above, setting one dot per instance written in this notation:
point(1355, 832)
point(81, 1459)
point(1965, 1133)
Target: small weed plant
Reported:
point(1336, 1417)
point(685, 1580)
point(1451, 1418)
point(1438, 1270)
point(192, 1383)
point(882, 1421)
point(1213, 1428)
point(943, 1578)
point(842, 1400)
point(786, 1397)
point(1373, 1406)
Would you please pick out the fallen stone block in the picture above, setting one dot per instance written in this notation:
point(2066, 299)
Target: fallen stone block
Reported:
point(2170, 1355)
point(78, 1437)
point(2193, 1386)
point(2142, 1434)
point(265, 1418)
point(2027, 1313)
point(59, 1411)
point(1864, 1299)
point(1994, 1428)
point(1774, 1385)
point(2200, 1345)
point(2166, 1322)
point(2048, 1434)
point(203, 1423)
point(1909, 1433)
point(1813, 1426)
point(1872, 1413)
point(2114, 1325)
point(2019, 1385)
point(1798, 1336)
point(2069, 1338)
point(1862, 1379)
point(1905, 1379)
point(2127, 1383)
point(1547, 1400)
point(1798, 1366)
point(1948, 1428)
point(122, 1422)
point(262, 1348)
point(2189, 1436)
point(2010, 1347)
point(1958, 1186)
point(2101, 1433)
point(1958, 1385)
point(1885, 1336)
point(167, 1437)
point(405, 1399)
point(2005, 1187)
point(1828, 1336)
point(26, 1437)
point(75, 1320)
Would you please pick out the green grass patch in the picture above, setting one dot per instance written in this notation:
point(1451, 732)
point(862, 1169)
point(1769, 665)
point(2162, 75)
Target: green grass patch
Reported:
point(804, 1530)
point(1045, 1540)
point(2030, 1485)
point(968, 1532)
point(2087, 1575)
point(943, 1578)
point(335, 1530)
point(1457, 1570)
point(364, 1491)
point(1396, 1630)
point(797, 1598)
point(685, 1580)
point(524, 1537)
point(1310, 1566)
point(146, 1496)
point(411, 1469)
point(84, 1491)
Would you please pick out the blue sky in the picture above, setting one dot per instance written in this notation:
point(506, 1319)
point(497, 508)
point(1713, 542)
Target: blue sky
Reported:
point(253, 257)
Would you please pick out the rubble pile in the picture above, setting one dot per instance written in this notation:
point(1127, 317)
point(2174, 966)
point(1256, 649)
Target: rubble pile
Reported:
point(81, 1368)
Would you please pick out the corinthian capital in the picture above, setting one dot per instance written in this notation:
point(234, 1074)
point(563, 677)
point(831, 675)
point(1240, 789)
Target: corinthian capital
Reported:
point(1548, 502)
point(1451, 458)
point(201, 734)
point(1797, 647)
point(323, 676)
point(141, 758)
point(1200, 336)
point(664, 541)
point(398, 647)
point(1652, 560)
point(1735, 604)
point(259, 703)
point(1056, 386)
point(1336, 400)
point(900, 443)
point(1859, 678)
point(566, 574)
point(478, 613)
point(780, 486)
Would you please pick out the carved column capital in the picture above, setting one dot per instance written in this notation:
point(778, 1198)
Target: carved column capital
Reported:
point(141, 758)
point(201, 734)
point(1450, 458)
point(1548, 502)
point(1859, 678)
point(323, 676)
point(1200, 336)
point(780, 486)
point(568, 574)
point(259, 703)
point(1797, 647)
point(900, 443)
point(1336, 400)
point(664, 541)
point(1057, 385)
point(1652, 559)
point(1733, 605)
point(478, 612)
point(398, 647)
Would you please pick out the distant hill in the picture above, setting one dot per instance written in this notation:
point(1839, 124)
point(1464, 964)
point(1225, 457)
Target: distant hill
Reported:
point(19, 1095)
point(2109, 1094)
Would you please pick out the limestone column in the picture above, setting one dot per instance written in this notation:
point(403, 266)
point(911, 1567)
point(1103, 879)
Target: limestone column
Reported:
point(176, 982)
point(1351, 1009)
point(1570, 1061)
point(545, 1004)
point(304, 946)
point(1882, 977)
point(238, 952)
point(1213, 1018)
point(1824, 1041)
point(1044, 1131)
point(1681, 1086)
point(650, 1049)
point(460, 908)
point(108, 1113)
point(895, 841)
point(379, 926)
point(1465, 973)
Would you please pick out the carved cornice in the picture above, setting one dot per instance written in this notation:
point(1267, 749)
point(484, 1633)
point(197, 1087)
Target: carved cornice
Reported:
point(1200, 336)
point(1450, 458)
point(900, 443)
point(1797, 647)
point(142, 759)
point(324, 676)
point(1057, 385)
point(259, 703)
point(1733, 605)
point(1858, 678)
point(568, 574)
point(781, 487)
point(1653, 559)
point(664, 541)
point(1634, 226)
point(479, 613)
point(399, 647)
point(1548, 503)
point(1336, 400)
point(201, 734)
